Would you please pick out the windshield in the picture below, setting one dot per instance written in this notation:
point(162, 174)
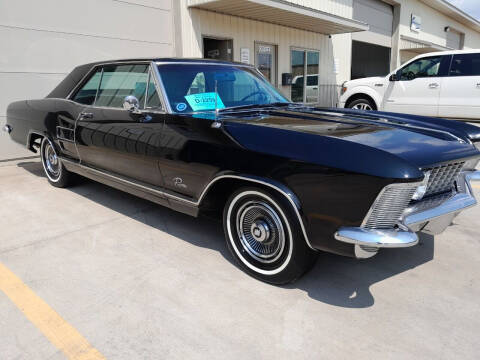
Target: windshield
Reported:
point(191, 88)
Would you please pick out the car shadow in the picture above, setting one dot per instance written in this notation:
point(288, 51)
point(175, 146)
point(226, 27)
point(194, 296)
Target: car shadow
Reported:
point(335, 280)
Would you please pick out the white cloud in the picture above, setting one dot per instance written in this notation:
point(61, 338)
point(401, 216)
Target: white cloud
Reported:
point(471, 7)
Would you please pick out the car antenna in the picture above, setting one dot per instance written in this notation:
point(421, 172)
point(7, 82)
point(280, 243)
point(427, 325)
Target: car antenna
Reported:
point(216, 124)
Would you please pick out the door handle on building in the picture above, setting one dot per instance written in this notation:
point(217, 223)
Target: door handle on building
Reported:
point(433, 85)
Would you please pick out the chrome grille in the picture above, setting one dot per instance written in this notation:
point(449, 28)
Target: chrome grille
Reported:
point(442, 178)
point(389, 206)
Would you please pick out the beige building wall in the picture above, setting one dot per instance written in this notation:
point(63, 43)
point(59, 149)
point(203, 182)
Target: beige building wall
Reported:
point(41, 41)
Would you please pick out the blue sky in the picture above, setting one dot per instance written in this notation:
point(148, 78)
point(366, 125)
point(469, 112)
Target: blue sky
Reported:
point(471, 7)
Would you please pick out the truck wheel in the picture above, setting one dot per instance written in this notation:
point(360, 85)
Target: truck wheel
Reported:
point(52, 165)
point(264, 236)
point(361, 104)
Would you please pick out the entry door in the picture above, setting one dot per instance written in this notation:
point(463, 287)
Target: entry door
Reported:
point(417, 90)
point(305, 76)
point(460, 95)
point(118, 141)
point(266, 61)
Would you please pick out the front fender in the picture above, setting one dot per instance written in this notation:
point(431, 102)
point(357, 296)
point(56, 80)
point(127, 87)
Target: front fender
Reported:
point(362, 89)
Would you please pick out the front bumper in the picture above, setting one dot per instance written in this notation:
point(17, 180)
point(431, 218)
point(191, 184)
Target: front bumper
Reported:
point(432, 215)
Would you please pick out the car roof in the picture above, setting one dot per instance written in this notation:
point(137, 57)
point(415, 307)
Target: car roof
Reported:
point(172, 60)
point(450, 52)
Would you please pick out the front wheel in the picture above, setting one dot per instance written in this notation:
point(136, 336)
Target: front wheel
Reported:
point(56, 173)
point(264, 236)
point(362, 104)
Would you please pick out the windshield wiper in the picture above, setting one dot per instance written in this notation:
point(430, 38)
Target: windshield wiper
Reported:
point(254, 106)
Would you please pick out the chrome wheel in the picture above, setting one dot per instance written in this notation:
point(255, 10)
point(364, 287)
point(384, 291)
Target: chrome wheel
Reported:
point(51, 162)
point(362, 106)
point(260, 231)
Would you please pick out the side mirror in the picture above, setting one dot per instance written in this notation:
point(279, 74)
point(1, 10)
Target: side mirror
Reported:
point(393, 77)
point(130, 103)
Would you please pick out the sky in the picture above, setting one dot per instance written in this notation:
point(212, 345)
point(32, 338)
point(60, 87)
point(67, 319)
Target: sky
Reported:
point(471, 7)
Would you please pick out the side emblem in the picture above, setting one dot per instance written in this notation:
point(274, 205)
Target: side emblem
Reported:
point(178, 182)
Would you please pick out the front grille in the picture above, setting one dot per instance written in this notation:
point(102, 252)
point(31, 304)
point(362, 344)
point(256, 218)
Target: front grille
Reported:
point(442, 178)
point(389, 206)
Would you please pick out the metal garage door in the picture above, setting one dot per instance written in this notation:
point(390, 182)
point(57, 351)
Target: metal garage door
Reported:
point(454, 40)
point(379, 16)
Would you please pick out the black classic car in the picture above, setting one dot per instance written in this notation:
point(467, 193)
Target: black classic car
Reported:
point(215, 138)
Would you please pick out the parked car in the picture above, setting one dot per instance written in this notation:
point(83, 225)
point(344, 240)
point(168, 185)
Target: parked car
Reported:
point(212, 137)
point(442, 84)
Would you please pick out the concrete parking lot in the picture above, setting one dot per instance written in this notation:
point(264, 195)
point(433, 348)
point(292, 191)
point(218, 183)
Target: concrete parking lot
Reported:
point(90, 272)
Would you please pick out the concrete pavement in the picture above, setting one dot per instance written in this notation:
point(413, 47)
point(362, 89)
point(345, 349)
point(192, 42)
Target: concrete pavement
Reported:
point(139, 281)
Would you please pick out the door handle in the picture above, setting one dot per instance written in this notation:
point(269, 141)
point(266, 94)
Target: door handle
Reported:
point(478, 85)
point(86, 115)
point(433, 85)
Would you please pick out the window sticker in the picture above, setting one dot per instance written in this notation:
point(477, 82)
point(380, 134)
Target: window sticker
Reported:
point(181, 106)
point(204, 101)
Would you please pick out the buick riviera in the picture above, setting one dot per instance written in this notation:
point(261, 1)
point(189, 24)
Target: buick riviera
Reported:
point(288, 180)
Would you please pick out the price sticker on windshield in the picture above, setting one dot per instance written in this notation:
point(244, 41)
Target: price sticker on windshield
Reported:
point(204, 101)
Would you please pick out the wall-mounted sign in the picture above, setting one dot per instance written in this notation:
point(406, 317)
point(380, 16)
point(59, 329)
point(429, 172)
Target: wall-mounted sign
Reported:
point(416, 24)
point(245, 55)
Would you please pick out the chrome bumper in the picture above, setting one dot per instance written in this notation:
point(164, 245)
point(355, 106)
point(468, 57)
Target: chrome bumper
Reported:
point(432, 216)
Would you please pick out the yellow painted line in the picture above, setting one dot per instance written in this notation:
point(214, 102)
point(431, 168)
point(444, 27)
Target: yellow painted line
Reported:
point(57, 330)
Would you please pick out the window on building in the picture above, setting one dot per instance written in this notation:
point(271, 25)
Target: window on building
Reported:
point(305, 63)
point(465, 65)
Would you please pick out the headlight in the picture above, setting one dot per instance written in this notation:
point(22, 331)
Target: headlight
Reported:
point(422, 189)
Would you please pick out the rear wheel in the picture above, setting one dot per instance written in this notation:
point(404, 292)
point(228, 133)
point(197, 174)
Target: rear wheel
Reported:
point(52, 165)
point(361, 104)
point(264, 236)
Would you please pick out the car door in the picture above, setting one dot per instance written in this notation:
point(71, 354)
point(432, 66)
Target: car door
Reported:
point(117, 141)
point(460, 94)
point(417, 87)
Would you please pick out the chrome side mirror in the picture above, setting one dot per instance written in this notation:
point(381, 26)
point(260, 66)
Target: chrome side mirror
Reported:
point(130, 103)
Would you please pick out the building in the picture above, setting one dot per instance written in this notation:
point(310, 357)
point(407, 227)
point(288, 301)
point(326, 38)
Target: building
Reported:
point(324, 41)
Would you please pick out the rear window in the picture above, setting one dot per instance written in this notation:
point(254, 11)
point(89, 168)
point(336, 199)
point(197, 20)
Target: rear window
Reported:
point(465, 65)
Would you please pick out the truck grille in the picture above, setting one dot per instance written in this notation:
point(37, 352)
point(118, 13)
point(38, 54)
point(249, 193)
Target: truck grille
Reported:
point(443, 177)
point(389, 206)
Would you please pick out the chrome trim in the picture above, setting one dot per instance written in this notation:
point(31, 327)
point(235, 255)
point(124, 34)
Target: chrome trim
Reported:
point(290, 197)
point(376, 238)
point(161, 88)
point(204, 63)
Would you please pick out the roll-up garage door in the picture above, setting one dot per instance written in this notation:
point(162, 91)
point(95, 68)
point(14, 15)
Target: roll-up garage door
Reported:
point(454, 40)
point(379, 16)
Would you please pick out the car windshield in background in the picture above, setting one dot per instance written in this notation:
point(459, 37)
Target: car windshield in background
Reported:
point(191, 88)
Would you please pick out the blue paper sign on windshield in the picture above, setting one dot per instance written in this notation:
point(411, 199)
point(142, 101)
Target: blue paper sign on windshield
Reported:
point(204, 101)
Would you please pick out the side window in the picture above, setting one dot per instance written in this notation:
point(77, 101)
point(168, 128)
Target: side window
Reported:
point(119, 81)
point(465, 65)
point(312, 80)
point(152, 100)
point(86, 95)
point(422, 68)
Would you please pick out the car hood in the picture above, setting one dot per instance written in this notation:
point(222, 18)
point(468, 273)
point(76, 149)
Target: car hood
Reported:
point(365, 81)
point(351, 140)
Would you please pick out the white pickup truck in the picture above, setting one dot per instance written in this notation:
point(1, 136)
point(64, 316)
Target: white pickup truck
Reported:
point(441, 84)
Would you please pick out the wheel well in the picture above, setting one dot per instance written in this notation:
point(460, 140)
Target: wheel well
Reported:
point(34, 142)
point(361, 96)
point(214, 201)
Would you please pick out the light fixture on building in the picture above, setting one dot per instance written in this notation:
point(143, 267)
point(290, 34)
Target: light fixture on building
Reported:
point(447, 28)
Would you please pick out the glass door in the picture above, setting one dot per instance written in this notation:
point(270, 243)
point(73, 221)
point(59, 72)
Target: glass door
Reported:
point(266, 61)
point(305, 65)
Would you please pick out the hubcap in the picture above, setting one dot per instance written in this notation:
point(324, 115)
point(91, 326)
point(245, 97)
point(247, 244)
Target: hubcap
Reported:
point(51, 160)
point(362, 106)
point(260, 231)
